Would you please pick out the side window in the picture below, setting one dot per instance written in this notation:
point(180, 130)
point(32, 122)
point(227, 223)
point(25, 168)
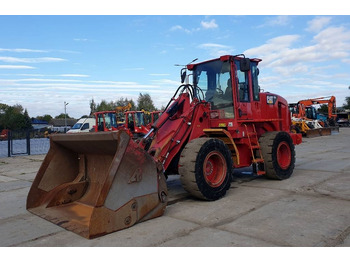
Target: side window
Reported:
point(255, 73)
point(242, 85)
point(85, 126)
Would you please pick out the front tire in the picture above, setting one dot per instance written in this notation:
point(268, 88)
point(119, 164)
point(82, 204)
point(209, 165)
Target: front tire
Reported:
point(277, 149)
point(205, 168)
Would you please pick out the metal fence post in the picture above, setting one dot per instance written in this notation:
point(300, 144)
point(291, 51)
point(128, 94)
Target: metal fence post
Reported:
point(28, 141)
point(9, 138)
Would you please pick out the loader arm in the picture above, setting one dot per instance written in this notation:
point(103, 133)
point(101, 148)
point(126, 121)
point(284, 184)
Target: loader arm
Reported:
point(172, 129)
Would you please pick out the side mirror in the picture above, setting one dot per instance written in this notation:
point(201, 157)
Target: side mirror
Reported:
point(183, 75)
point(244, 64)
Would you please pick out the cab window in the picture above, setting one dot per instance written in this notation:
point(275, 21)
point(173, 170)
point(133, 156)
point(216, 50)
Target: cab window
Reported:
point(255, 73)
point(242, 84)
point(214, 79)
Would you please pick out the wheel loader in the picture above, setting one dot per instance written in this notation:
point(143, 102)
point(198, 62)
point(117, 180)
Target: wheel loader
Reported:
point(94, 184)
point(135, 122)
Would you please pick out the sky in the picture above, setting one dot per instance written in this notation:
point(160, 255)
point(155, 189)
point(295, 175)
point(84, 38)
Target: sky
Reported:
point(46, 60)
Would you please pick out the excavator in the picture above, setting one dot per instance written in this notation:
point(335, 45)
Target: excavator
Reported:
point(98, 183)
point(305, 118)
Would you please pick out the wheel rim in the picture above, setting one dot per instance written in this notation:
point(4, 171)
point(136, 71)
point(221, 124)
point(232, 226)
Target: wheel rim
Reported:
point(214, 169)
point(284, 156)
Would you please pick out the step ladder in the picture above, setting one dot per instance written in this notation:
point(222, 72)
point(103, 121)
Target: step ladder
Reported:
point(255, 149)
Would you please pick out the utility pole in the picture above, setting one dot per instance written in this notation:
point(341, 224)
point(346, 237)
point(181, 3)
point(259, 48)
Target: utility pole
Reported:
point(65, 116)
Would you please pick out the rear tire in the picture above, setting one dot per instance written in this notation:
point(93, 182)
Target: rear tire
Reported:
point(277, 149)
point(205, 168)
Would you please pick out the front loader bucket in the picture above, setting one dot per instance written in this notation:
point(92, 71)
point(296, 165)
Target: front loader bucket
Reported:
point(97, 183)
point(325, 131)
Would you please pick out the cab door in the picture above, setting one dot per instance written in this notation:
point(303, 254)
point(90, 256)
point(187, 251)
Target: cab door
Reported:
point(243, 93)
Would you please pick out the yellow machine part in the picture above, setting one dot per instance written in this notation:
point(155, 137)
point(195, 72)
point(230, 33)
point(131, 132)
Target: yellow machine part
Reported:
point(311, 132)
point(97, 183)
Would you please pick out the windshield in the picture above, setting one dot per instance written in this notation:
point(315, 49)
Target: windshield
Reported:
point(139, 119)
point(111, 120)
point(214, 79)
point(107, 120)
point(77, 126)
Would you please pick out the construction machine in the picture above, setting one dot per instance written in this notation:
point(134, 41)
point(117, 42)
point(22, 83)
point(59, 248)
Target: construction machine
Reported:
point(136, 122)
point(151, 118)
point(330, 101)
point(343, 119)
point(306, 120)
point(133, 122)
point(111, 120)
point(102, 182)
point(106, 121)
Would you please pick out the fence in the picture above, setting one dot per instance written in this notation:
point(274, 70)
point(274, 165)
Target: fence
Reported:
point(24, 142)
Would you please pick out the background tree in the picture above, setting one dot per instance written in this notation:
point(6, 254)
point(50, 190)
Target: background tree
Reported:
point(346, 105)
point(144, 102)
point(92, 106)
point(46, 118)
point(110, 106)
point(105, 106)
point(323, 109)
point(61, 116)
point(124, 102)
point(14, 117)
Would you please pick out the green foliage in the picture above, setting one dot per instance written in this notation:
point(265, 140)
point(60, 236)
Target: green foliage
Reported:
point(92, 106)
point(145, 102)
point(323, 109)
point(46, 118)
point(62, 116)
point(14, 117)
point(105, 106)
point(110, 106)
point(124, 102)
point(346, 105)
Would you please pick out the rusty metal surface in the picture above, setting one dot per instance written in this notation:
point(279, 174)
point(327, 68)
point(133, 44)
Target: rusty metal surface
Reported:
point(94, 184)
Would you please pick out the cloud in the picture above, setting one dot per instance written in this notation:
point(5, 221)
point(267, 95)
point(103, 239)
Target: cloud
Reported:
point(9, 59)
point(16, 67)
point(216, 50)
point(334, 40)
point(74, 75)
point(281, 20)
point(212, 45)
point(134, 69)
point(209, 25)
point(22, 50)
point(180, 28)
point(318, 23)
point(273, 49)
point(296, 68)
point(81, 39)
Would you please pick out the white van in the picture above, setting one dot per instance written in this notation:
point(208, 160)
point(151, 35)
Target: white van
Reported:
point(83, 125)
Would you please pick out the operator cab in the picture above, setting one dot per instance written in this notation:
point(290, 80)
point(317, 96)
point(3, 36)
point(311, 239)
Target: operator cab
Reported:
point(225, 83)
point(106, 120)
